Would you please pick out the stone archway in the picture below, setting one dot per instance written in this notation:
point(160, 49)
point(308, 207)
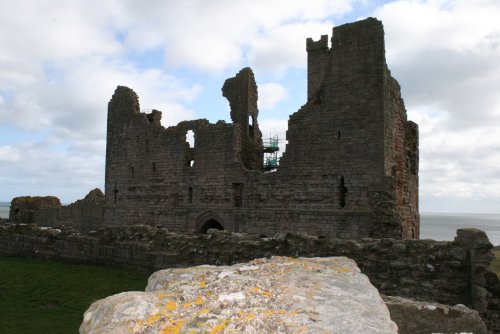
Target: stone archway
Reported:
point(208, 220)
point(212, 223)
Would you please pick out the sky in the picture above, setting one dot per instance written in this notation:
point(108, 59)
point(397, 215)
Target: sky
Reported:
point(60, 62)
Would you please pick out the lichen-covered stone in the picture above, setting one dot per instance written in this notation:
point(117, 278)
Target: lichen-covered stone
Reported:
point(414, 317)
point(277, 295)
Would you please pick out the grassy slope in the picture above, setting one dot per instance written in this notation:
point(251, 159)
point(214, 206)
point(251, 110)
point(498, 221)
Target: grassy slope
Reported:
point(50, 297)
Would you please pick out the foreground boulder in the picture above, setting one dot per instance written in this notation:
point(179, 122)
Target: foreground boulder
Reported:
point(277, 295)
point(415, 317)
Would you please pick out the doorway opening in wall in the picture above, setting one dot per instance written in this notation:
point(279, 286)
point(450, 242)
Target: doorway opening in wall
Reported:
point(212, 223)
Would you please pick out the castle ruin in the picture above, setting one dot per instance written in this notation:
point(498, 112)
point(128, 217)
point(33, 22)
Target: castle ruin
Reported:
point(350, 168)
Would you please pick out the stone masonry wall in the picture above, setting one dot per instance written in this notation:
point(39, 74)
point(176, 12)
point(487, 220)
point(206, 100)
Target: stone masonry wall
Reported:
point(350, 169)
point(446, 272)
point(33, 210)
point(85, 214)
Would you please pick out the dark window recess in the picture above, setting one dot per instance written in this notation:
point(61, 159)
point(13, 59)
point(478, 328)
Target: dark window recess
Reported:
point(342, 192)
point(211, 224)
point(190, 195)
point(190, 162)
point(338, 135)
point(115, 192)
point(154, 166)
point(146, 146)
point(131, 169)
point(237, 194)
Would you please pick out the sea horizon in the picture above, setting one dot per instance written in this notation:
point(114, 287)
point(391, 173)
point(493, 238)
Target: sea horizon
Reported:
point(441, 226)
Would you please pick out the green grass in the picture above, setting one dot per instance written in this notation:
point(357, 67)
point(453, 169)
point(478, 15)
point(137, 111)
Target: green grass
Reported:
point(50, 297)
point(495, 264)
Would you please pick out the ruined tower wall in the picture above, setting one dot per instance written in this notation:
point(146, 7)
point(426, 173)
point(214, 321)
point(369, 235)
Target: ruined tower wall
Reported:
point(317, 58)
point(353, 134)
point(335, 179)
point(401, 159)
point(154, 176)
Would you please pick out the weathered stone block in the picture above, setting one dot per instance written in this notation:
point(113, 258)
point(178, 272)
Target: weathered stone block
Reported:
point(277, 295)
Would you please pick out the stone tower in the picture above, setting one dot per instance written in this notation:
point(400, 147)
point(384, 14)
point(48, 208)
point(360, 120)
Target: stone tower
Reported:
point(354, 128)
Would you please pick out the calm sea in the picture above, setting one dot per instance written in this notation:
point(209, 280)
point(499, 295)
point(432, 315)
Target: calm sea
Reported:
point(437, 226)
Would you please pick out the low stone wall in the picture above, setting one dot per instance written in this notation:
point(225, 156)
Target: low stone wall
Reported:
point(445, 272)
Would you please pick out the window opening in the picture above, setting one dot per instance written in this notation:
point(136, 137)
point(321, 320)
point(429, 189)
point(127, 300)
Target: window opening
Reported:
point(190, 195)
point(342, 192)
point(189, 152)
point(237, 194)
point(190, 138)
point(250, 126)
point(338, 134)
point(154, 166)
point(115, 192)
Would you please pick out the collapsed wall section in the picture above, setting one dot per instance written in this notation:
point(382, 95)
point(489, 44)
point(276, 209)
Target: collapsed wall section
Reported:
point(154, 175)
point(34, 210)
point(85, 214)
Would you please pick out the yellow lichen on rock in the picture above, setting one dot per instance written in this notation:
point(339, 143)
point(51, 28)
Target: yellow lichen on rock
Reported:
point(173, 326)
point(219, 327)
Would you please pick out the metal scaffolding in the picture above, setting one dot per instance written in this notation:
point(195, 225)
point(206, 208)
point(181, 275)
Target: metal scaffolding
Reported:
point(271, 149)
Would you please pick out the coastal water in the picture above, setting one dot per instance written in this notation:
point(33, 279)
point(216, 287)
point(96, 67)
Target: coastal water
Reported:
point(4, 210)
point(437, 226)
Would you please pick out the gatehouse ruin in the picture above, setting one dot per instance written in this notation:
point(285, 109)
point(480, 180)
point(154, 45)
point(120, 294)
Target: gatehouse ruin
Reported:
point(350, 168)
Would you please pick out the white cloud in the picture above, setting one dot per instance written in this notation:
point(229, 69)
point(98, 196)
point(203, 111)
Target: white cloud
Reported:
point(445, 56)
point(270, 94)
point(214, 35)
point(9, 153)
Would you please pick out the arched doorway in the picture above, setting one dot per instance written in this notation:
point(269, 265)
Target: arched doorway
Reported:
point(207, 220)
point(212, 223)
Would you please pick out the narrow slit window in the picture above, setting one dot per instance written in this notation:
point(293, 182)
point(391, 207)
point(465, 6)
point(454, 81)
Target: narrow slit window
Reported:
point(190, 195)
point(115, 192)
point(342, 192)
